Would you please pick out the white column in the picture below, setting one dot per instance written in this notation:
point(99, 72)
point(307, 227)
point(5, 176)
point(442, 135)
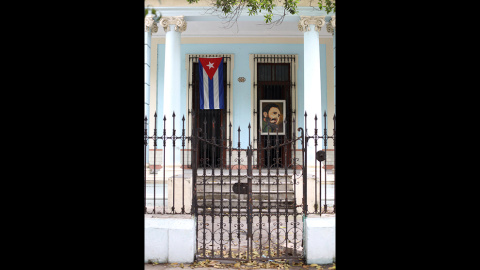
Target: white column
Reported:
point(312, 98)
point(331, 29)
point(173, 27)
point(150, 26)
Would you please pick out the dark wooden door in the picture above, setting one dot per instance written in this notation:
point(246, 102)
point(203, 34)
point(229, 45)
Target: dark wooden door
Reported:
point(274, 84)
point(212, 124)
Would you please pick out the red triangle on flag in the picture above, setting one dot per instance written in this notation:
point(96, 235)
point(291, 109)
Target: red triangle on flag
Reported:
point(210, 65)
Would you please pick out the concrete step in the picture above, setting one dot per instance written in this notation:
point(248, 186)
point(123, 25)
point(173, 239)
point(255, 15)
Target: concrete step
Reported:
point(274, 189)
point(255, 183)
point(243, 211)
point(271, 186)
point(255, 187)
point(263, 182)
point(255, 197)
point(243, 203)
point(281, 206)
point(253, 192)
point(264, 202)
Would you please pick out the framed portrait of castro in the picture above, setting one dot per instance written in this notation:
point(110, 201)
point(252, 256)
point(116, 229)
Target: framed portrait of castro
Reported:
point(272, 113)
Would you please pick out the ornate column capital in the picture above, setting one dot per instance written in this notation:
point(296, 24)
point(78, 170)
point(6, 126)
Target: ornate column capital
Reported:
point(306, 21)
point(150, 23)
point(178, 21)
point(331, 25)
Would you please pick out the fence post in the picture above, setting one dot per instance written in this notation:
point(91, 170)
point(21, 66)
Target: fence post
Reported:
point(250, 202)
point(325, 143)
point(145, 138)
point(334, 163)
point(193, 158)
point(183, 165)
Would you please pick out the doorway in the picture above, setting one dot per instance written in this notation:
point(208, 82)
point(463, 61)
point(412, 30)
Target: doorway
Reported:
point(274, 84)
point(210, 124)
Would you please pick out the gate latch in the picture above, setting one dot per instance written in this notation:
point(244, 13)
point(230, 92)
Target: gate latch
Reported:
point(320, 156)
point(240, 188)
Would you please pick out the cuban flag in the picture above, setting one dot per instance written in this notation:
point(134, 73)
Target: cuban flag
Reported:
point(211, 83)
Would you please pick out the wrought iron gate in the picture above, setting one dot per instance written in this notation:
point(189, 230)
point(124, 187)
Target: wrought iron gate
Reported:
point(250, 203)
point(248, 208)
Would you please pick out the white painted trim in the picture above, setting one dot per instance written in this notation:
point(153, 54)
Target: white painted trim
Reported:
point(242, 40)
point(244, 29)
point(202, 12)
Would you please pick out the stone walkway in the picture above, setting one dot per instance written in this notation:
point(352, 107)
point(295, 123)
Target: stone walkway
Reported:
point(232, 265)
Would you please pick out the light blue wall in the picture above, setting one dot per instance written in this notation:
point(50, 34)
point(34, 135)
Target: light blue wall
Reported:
point(323, 81)
point(160, 72)
point(242, 109)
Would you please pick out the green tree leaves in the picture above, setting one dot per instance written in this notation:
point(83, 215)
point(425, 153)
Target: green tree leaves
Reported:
point(231, 9)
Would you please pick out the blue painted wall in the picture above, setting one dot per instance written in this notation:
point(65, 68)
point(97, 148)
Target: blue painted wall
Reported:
point(160, 72)
point(323, 81)
point(242, 109)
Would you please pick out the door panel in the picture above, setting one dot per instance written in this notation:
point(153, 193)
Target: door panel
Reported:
point(274, 84)
point(210, 122)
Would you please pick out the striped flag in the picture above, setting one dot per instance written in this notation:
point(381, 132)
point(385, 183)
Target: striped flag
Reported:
point(211, 83)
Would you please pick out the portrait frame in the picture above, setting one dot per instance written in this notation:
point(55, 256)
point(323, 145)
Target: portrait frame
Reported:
point(281, 126)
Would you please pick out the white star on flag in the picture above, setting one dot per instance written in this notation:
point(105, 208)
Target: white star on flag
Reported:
point(210, 65)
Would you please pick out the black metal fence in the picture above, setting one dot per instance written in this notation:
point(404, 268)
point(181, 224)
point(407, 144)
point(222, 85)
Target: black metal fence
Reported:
point(248, 201)
point(176, 183)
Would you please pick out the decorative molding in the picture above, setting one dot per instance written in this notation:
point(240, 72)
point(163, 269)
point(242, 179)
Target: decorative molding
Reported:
point(150, 23)
point(199, 12)
point(202, 29)
point(331, 25)
point(306, 21)
point(178, 21)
